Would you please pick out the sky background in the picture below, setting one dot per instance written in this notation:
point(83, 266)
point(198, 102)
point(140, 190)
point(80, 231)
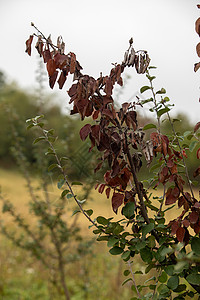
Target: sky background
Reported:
point(98, 32)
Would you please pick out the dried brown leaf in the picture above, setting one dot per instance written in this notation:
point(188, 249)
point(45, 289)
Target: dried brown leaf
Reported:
point(28, 45)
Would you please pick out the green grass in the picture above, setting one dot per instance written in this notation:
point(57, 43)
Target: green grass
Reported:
point(97, 276)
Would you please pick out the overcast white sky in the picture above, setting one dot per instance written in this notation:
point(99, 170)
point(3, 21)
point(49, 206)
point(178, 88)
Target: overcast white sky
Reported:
point(99, 31)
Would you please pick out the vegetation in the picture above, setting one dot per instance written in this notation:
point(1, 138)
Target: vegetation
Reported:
point(167, 247)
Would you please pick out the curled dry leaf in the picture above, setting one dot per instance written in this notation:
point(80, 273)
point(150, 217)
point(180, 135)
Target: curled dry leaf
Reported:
point(196, 127)
point(196, 67)
point(197, 26)
point(198, 49)
point(28, 45)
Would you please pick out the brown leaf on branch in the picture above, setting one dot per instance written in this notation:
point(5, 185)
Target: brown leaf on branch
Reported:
point(197, 26)
point(52, 79)
point(72, 63)
point(85, 130)
point(62, 79)
point(172, 195)
point(108, 192)
point(198, 49)
point(101, 188)
point(117, 200)
point(39, 45)
point(174, 226)
point(196, 67)
point(51, 67)
point(193, 217)
point(196, 172)
point(180, 234)
point(46, 55)
point(108, 87)
point(28, 45)
point(196, 127)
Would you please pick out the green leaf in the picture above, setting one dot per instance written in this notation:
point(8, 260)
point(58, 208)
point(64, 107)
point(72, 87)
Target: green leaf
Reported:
point(41, 138)
point(140, 245)
point(76, 183)
point(64, 193)
point(51, 131)
point(126, 255)
point(173, 282)
point(127, 280)
point(39, 117)
point(162, 111)
point(126, 272)
point(195, 245)
point(112, 241)
point(128, 210)
point(149, 126)
point(29, 126)
point(180, 288)
point(116, 250)
point(102, 220)
point(152, 278)
point(40, 124)
point(102, 238)
point(163, 289)
point(147, 101)
point(163, 277)
point(146, 255)
point(75, 212)
point(144, 88)
point(193, 279)
point(51, 167)
point(152, 67)
point(192, 145)
point(89, 212)
point(162, 91)
point(147, 228)
point(60, 183)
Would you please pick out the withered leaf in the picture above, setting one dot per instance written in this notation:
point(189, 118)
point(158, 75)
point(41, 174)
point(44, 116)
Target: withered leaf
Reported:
point(51, 67)
point(196, 127)
point(52, 79)
point(117, 200)
point(196, 67)
point(186, 223)
point(85, 130)
point(72, 63)
point(39, 45)
point(62, 80)
point(197, 26)
point(95, 114)
point(28, 45)
point(101, 188)
point(95, 132)
point(108, 192)
point(180, 234)
point(198, 49)
point(194, 216)
point(196, 172)
point(46, 55)
point(174, 227)
point(108, 87)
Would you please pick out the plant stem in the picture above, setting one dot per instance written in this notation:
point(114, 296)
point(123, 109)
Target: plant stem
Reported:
point(133, 278)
